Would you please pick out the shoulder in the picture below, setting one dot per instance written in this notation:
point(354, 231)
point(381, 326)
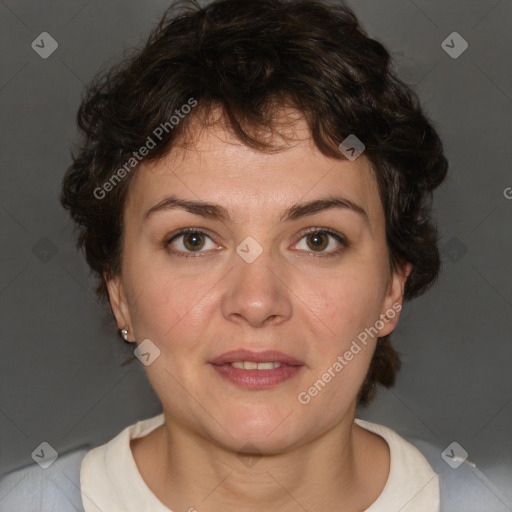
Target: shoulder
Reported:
point(463, 488)
point(56, 488)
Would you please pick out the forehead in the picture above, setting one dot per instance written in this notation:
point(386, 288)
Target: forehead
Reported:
point(216, 167)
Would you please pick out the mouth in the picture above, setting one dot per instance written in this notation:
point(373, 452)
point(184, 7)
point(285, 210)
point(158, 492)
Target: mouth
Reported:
point(250, 358)
point(256, 370)
point(253, 365)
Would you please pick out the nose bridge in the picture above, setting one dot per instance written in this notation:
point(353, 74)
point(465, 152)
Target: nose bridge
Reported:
point(256, 290)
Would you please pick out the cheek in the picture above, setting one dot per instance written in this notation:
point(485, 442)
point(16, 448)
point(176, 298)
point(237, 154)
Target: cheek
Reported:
point(166, 304)
point(344, 303)
point(340, 313)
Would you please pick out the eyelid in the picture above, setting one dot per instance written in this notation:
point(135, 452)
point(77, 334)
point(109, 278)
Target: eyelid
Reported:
point(184, 231)
point(341, 238)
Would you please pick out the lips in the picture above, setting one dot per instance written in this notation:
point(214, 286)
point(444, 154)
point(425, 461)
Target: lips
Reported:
point(256, 370)
point(273, 356)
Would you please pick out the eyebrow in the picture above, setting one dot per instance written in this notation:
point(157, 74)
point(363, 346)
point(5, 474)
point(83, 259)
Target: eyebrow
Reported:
point(217, 212)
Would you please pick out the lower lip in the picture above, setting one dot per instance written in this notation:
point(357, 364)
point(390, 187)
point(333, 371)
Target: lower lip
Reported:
point(257, 379)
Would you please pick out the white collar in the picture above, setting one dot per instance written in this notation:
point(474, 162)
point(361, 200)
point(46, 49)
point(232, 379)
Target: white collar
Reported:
point(110, 479)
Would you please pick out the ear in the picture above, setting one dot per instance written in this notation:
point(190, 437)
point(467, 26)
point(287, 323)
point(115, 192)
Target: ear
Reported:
point(393, 300)
point(118, 302)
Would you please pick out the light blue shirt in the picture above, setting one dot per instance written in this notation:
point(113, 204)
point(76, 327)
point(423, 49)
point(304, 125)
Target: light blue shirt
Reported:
point(57, 488)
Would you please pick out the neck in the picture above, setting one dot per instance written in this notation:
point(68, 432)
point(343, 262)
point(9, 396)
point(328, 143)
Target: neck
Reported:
point(344, 469)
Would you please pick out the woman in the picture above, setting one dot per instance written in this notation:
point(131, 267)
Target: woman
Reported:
point(254, 195)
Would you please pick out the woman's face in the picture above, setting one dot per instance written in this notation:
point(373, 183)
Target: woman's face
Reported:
point(255, 280)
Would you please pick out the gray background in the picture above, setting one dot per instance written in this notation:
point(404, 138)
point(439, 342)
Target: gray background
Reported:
point(60, 368)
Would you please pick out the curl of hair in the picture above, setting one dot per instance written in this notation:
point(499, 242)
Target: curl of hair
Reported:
point(251, 59)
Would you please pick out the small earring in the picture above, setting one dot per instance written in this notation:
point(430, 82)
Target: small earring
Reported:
point(123, 333)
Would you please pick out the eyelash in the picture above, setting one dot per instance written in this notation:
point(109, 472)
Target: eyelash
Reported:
point(339, 238)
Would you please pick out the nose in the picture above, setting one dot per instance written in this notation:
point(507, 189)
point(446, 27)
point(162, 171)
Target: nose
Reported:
point(257, 293)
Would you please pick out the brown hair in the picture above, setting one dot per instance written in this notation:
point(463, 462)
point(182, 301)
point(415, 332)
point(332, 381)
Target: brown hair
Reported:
point(250, 58)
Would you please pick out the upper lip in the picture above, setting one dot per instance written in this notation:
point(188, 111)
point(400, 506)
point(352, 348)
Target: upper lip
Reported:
point(258, 357)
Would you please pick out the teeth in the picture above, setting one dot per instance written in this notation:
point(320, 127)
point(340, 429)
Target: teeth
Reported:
point(251, 365)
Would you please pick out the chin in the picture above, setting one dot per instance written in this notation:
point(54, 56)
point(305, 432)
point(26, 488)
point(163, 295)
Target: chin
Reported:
point(260, 444)
point(267, 433)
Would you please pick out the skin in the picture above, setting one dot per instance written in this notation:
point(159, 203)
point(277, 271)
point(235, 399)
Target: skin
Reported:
point(294, 298)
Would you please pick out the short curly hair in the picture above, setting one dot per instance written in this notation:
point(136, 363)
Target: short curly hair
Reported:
point(250, 59)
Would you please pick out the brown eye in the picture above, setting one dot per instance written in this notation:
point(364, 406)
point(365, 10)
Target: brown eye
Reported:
point(190, 242)
point(317, 241)
point(193, 241)
point(323, 241)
